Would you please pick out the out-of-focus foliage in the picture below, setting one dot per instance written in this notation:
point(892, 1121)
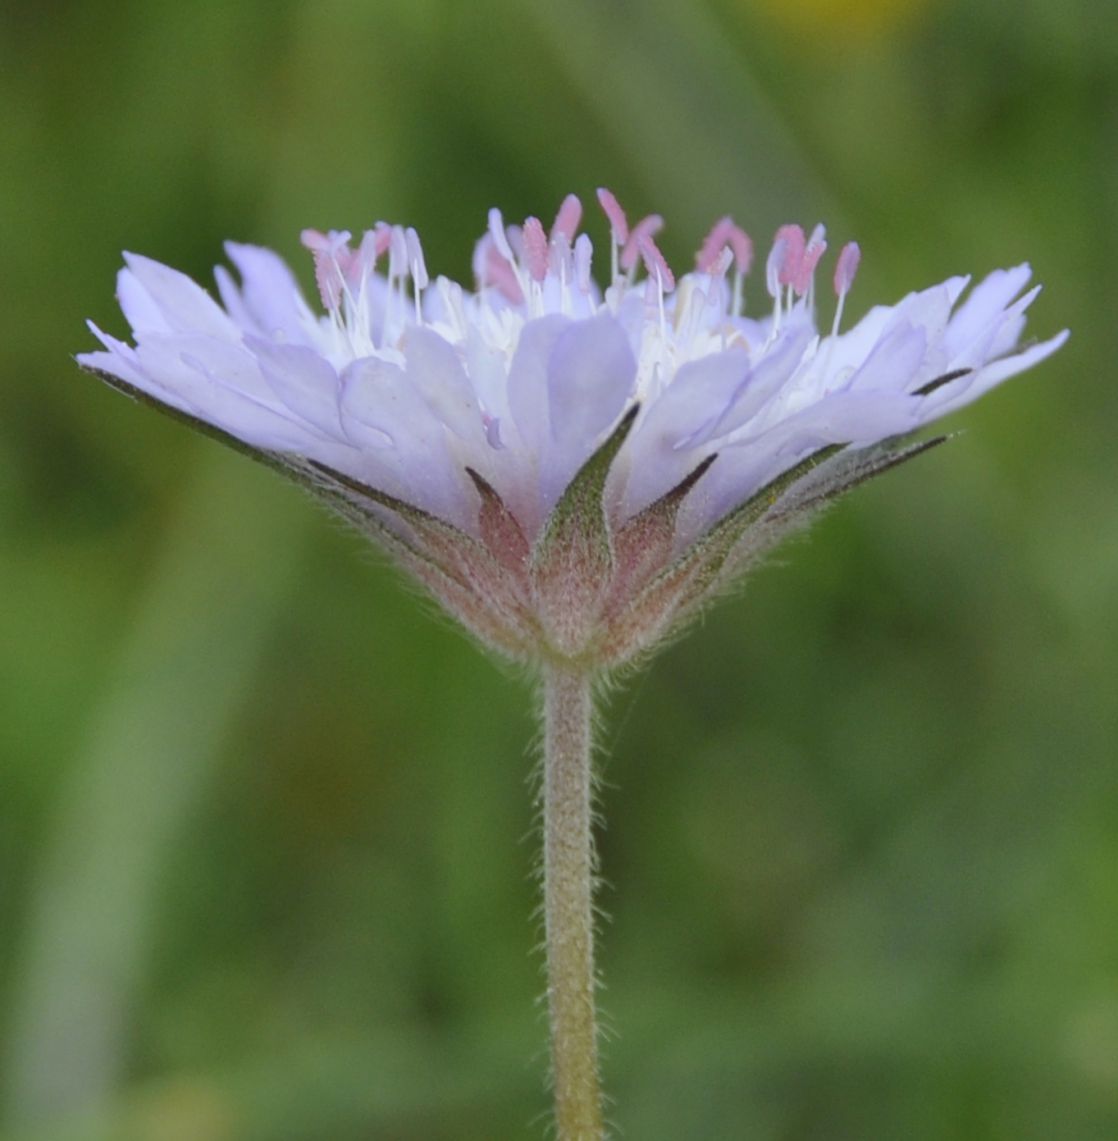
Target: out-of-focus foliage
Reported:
point(265, 845)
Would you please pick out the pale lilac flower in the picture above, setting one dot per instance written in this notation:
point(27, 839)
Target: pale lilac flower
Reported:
point(571, 471)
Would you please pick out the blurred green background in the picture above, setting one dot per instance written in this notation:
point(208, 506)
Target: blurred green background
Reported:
point(265, 826)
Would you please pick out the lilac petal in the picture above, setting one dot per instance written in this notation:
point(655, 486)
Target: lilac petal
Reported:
point(528, 378)
point(842, 418)
point(658, 463)
point(304, 381)
point(660, 453)
point(488, 371)
point(381, 410)
point(894, 363)
point(435, 371)
point(845, 417)
point(119, 359)
point(927, 307)
point(185, 306)
point(774, 369)
point(270, 295)
point(697, 397)
point(234, 303)
point(116, 364)
point(997, 337)
point(138, 306)
point(590, 375)
point(968, 389)
point(984, 305)
point(379, 403)
point(232, 366)
point(171, 365)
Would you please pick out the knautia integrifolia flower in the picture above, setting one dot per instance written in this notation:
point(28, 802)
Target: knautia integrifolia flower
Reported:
point(571, 470)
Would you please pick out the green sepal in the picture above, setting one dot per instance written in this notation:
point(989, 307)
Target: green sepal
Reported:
point(645, 541)
point(464, 561)
point(716, 558)
point(577, 524)
point(500, 532)
point(848, 471)
point(572, 560)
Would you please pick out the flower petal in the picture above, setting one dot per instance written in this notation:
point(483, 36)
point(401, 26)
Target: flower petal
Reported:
point(183, 305)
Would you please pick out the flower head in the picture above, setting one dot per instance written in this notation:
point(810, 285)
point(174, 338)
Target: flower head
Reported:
point(572, 471)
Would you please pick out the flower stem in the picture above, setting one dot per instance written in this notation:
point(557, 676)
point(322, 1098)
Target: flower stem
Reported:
point(568, 883)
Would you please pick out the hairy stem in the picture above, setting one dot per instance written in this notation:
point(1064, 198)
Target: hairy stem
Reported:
point(568, 882)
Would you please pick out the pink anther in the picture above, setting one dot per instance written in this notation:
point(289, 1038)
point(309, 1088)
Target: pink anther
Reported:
point(363, 262)
point(725, 234)
point(535, 248)
point(654, 262)
point(493, 268)
point(332, 256)
point(847, 267)
point(813, 251)
point(742, 245)
point(383, 232)
point(647, 227)
point(792, 257)
point(618, 224)
point(567, 220)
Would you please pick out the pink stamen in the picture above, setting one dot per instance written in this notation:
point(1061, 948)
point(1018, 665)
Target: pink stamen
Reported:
point(725, 233)
point(647, 227)
point(363, 262)
point(332, 256)
point(535, 248)
point(793, 253)
point(383, 232)
point(655, 264)
point(493, 268)
point(847, 267)
point(814, 250)
point(567, 220)
point(618, 224)
point(742, 245)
